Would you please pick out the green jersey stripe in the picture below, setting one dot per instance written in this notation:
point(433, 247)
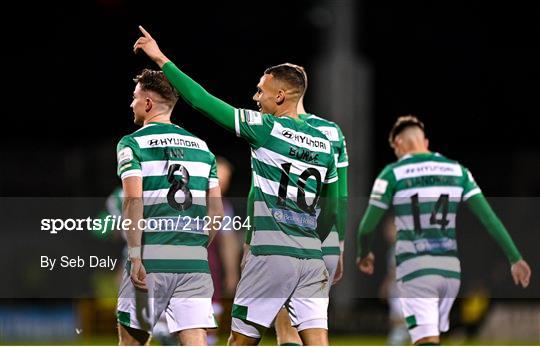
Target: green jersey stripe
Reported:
point(400, 258)
point(448, 263)
point(174, 266)
point(287, 251)
point(431, 271)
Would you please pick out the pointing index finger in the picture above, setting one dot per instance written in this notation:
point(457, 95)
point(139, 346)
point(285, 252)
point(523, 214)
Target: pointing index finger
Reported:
point(145, 33)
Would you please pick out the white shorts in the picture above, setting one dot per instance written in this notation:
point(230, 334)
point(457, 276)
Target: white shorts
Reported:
point(270, 282)
point(186, 300)
point(426, 303)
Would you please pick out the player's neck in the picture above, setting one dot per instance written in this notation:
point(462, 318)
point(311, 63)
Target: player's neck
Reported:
point(417, 151)
point(289, 111)
point(159, 118)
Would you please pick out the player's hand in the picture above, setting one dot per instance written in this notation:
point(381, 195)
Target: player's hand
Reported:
point(138, 274)
point(366, 264)
point(521, 273)
point(148, 45)
point(339, 270)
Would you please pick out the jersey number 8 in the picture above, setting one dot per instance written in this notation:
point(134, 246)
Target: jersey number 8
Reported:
point(177, 185)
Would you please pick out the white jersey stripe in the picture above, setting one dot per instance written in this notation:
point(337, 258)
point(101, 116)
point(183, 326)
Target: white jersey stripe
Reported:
point(424, 194)
point(427, 168)
point(274, 159)
point(472, 193)
point(171, 252)
point(316, 144)
point(332, 240)
point(170, 140)
point(130, 173)
point(378, 203)
point(272, 188)
point(159, 196)
point(161, 167)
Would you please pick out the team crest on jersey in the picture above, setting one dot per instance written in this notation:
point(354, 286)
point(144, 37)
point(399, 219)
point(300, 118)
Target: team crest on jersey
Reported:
point(125, 156)
point(253, 117)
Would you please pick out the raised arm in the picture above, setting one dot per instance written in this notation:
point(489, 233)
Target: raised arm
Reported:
point(192, 92)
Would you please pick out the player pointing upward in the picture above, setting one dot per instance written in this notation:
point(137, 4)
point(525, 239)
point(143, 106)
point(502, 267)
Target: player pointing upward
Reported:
point(295, 176)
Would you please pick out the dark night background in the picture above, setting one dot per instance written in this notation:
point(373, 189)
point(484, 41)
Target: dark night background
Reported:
point(469, 69)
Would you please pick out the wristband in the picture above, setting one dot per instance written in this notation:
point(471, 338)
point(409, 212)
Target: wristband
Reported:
point(134, 252)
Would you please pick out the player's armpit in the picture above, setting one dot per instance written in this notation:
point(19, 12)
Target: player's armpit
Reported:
point(214, 210)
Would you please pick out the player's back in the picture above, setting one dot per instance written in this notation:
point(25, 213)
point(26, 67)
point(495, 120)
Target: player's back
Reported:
point(290, 165)
point(177, 169)
point(426, 191)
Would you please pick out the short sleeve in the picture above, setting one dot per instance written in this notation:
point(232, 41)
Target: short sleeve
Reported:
point(213, 180)
point(127, 154)
point(253, 126)
point(383, 189)
point(470, 188)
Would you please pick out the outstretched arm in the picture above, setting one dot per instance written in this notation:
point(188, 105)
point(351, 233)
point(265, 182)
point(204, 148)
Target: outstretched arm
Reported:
point(192, 92)
point(481, 208)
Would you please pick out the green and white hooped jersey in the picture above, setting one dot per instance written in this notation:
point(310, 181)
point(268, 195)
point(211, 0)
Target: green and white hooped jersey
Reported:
point(333, 132)
point(291, 161)
point(425, 191)
point(177, 169)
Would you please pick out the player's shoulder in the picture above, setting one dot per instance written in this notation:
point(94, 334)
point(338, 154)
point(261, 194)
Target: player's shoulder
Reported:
point(331, 129)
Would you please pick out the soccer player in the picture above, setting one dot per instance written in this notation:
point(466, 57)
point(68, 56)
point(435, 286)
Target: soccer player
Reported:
point(333, 245)
point(169, 180)
point(425, 188)
point(294, 166)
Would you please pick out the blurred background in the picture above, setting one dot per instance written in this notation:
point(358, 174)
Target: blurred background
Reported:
point(468, 69)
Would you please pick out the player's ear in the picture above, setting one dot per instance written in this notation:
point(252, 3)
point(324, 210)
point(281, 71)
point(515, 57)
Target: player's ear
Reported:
point(280, 97)
point(148, 105)
point(426, 143)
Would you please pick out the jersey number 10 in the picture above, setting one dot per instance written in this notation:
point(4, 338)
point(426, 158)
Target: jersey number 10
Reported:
point(302, 180)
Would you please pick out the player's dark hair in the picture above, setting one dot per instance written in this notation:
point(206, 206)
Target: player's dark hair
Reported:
point(401, 124)
point(289, 74)
point(156, 82)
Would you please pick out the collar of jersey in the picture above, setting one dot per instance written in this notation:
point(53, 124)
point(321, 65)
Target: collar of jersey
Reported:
point(411, 155)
